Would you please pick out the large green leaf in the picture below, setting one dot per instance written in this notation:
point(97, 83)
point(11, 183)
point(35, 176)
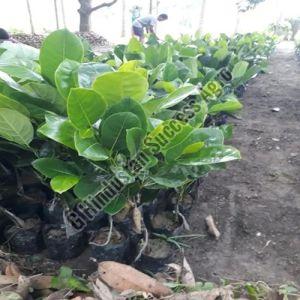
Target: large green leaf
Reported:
point(66, 76)
point(57, 47)
point(90, 148)
point(179, 95)
point(239, 69)
point(19, 51)
point(20, 72)
point(58, 129)
point(85, 107)
point(6, 102)
point(230, 105)
point(134, 46)
point(209, 136)
point(210, 155)
point(88, 72)
point(128, 105)
point(63, 183)
point(116, 86)
point(113, 129)
point(115, 205)
point(47, 96)
point(52, 167)
point(170, 72)
point(134, 140)
point(166, 135)
point(15, 127)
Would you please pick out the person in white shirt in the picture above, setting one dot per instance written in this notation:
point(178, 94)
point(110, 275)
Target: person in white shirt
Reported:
point(148, 23)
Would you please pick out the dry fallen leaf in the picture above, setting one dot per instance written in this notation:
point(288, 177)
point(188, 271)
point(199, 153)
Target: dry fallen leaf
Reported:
point(12, 270)
point(122, 277)
point(102, 291)
point(137, 220)
point(187, 275)
point(212, 228)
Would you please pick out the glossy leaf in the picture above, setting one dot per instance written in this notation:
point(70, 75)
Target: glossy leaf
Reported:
point(66, 77)
point(88, 72)
point(15, 127)
point(6, 102)
point(119, 85)
point(90, 148)
point(134, 140)
point(52, 167)
point(63, 183)
point(179, 95)
point(85, 107)
point(58, 46)
point(239, 69)
point(210, 155)
point(58, 129)
point(113, 130)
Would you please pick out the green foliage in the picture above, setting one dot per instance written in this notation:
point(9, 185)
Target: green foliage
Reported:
point(102, 117)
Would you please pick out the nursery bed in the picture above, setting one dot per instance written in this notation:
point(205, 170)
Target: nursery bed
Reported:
point(256, 201)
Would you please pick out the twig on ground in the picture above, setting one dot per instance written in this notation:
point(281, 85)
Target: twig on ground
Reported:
point(212, 228)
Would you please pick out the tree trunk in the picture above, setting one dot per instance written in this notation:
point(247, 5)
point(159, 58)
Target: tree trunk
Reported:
point(56, 14)
point(85, 12)
point(63, 12)
point(202, 15)
point(30, 16)
point(123, 31)
point(157, 6)
point(150, 7)
point(237, 24)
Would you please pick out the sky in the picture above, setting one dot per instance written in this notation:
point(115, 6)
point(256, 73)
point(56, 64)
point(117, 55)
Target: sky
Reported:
point(220, 16)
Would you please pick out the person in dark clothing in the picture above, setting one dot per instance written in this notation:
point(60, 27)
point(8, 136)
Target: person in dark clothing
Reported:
point(4, 35)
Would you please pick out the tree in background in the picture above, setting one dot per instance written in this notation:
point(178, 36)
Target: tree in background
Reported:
point(30, 16)
point(242, 7)
point(123, 30)
point(63, 12)
point(56, 13)
point(295, 26)
point(85, 11)
point(202, 14)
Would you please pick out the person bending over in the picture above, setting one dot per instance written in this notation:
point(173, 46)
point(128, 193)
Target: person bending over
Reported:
point(148, 23)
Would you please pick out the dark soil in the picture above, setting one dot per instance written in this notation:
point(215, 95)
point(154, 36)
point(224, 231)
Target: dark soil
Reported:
point(256, 201)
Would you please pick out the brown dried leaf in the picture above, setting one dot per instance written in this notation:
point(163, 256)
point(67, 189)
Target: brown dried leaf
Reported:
point(187, 275)
point(122, 277)
point(137, 220)
point(102, 291)
point(12, 270)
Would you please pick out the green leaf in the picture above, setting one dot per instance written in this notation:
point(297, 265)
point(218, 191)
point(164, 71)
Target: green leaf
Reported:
point(88, 72)
point(230, 105)
point(134, 46)
point(53, 167)
point(58, 129)
point(128, 105)
point(57, 47)
point(113, 129)
point(15, 127)
point(20, 72)
point(115, 205)
point(66, 77)
point(227, 130)
point(85, 107)
point(170, 72)
point(19, 51)
point(179, 95)
point(63, 183)
point(134, 140)
point(89, 185)
point(90, 148)
point(6, 102)
point(210, 155)
point(164, 85)
point(239, 69)
point(48, 97)
point(116, 86)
